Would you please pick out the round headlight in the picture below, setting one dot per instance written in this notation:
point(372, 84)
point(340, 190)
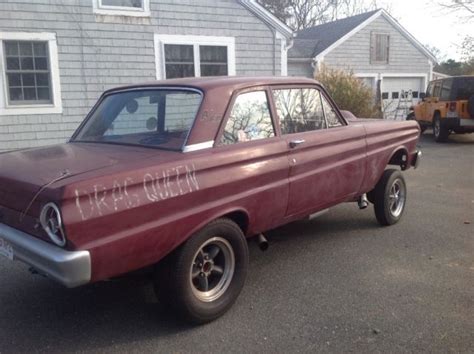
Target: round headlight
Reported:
point(50, 219)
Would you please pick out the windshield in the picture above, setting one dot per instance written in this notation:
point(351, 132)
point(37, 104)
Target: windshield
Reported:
point(158, 118)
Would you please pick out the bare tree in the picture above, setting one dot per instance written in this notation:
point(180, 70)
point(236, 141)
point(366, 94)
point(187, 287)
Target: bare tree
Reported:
point(300, 14)
point(465, 8)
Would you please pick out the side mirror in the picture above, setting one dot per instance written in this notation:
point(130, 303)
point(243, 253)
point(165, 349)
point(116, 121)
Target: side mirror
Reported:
point(422, 96)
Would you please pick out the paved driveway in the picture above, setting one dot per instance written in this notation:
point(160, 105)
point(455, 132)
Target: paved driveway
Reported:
point(334, 284)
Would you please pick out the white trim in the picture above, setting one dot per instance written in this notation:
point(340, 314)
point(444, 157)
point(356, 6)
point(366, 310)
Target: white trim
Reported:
point(196, 41)
point(267, 17)
point(200, 146)
point(404, 75)
point(56, 106)
point(376, 15)
point(284, 57)
point(100, 9)
point(408, 35)
point(366, 75)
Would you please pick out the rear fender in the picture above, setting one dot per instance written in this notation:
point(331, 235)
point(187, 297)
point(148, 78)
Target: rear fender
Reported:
point(229, 213)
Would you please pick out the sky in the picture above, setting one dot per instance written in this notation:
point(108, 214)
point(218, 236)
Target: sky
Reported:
point(431, 25)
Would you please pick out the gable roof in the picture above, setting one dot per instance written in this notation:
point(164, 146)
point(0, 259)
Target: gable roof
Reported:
point(267, 17)
point(316, 42)
point(312, 41)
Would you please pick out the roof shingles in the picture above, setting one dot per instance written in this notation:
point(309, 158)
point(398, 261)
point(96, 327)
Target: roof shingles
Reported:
point(312, 41)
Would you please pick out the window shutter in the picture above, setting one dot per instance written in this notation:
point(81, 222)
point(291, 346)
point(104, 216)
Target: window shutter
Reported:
point(373, 38)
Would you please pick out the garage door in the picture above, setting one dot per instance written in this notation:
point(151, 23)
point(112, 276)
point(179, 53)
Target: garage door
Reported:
point(398, 94)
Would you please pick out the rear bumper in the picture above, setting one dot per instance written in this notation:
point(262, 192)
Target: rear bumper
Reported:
point(68, 268)
point(415, 160)
point(458, 123)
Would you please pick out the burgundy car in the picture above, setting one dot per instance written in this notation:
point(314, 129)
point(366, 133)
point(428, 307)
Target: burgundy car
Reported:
point(178, 174)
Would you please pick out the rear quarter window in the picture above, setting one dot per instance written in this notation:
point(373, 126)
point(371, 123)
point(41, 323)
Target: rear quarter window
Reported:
point(463, 88)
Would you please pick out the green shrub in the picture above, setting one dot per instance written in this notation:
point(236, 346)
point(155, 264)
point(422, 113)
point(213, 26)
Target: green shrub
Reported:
point(349, 92)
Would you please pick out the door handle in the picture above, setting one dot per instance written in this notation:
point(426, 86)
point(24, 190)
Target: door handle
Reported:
point(295, 143)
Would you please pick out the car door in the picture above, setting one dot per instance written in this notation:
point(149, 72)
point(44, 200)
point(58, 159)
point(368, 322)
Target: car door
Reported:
point(250, 164)
point(433, 100)
point(425, 103)
point(327, 156)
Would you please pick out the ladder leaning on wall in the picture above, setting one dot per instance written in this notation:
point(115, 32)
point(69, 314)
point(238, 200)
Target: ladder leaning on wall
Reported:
point(405, 101)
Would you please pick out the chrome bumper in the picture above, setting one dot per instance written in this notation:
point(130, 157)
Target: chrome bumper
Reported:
point(415, 161)
point(68, 268)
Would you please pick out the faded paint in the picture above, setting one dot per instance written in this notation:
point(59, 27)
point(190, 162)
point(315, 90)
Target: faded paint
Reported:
point(169, 183)
point(131, 206)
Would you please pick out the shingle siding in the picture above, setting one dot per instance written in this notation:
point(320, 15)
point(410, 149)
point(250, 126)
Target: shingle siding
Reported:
point(98, 52)
point(354, 54)
point(303, 69)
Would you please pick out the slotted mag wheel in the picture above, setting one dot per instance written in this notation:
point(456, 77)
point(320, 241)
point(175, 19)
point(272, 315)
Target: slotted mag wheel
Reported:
point(212, 269)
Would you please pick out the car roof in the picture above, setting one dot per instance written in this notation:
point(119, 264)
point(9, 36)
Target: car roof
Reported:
point(224, 82)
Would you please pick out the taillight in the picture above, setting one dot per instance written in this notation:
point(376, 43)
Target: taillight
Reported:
point(50, 219)
point(452, 106)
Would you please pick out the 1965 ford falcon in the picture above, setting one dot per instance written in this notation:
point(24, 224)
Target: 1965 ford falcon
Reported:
point(177, 174)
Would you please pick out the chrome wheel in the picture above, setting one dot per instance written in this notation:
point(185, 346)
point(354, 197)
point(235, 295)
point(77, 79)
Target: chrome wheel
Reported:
point(397, 198)
point(212, 269)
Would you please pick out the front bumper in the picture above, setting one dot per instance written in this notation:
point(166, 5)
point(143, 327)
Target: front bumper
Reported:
point(68, 268)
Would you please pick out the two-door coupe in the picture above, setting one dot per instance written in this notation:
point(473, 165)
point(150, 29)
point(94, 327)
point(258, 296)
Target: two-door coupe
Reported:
point(177, 174)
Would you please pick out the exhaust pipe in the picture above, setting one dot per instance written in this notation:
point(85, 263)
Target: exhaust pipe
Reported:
point(262, 242)
point(363, 202)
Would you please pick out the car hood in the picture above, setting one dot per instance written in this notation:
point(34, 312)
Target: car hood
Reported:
point(24, 173)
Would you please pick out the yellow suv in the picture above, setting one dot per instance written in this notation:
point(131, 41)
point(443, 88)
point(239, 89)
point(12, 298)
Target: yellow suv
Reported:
point(447, 106)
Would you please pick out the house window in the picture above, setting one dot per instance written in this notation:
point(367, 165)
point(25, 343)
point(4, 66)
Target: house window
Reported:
point(213, 60)
point(415, 94)
point(27, 72)
point(29, 65)
point(394, 95)
point(189, 56)
point(179, 60)
point(379, 48)
point(385, 95)
point(122, 7)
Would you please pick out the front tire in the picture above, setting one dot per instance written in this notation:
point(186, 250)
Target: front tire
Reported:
point(204, 276)
point(439, 130)
point(390, 197)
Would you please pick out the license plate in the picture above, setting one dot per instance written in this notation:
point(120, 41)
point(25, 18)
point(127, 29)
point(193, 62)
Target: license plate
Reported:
point(6, 249)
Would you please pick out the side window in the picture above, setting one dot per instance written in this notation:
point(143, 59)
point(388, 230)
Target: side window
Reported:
point(429, 90)
point(446, 90)
point(331, 116)
point(249, 119)
point(437, 89)
point(299, 110)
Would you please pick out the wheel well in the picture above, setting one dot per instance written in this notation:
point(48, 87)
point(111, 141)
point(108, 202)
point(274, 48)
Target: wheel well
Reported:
point(240, 218)
point(400, 158)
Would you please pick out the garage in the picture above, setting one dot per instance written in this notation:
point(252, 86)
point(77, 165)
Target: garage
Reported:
point(399, 93)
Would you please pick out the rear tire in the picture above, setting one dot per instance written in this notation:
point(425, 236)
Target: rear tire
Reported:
point(440, 132)
point(390, 197)
point(204, 277)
